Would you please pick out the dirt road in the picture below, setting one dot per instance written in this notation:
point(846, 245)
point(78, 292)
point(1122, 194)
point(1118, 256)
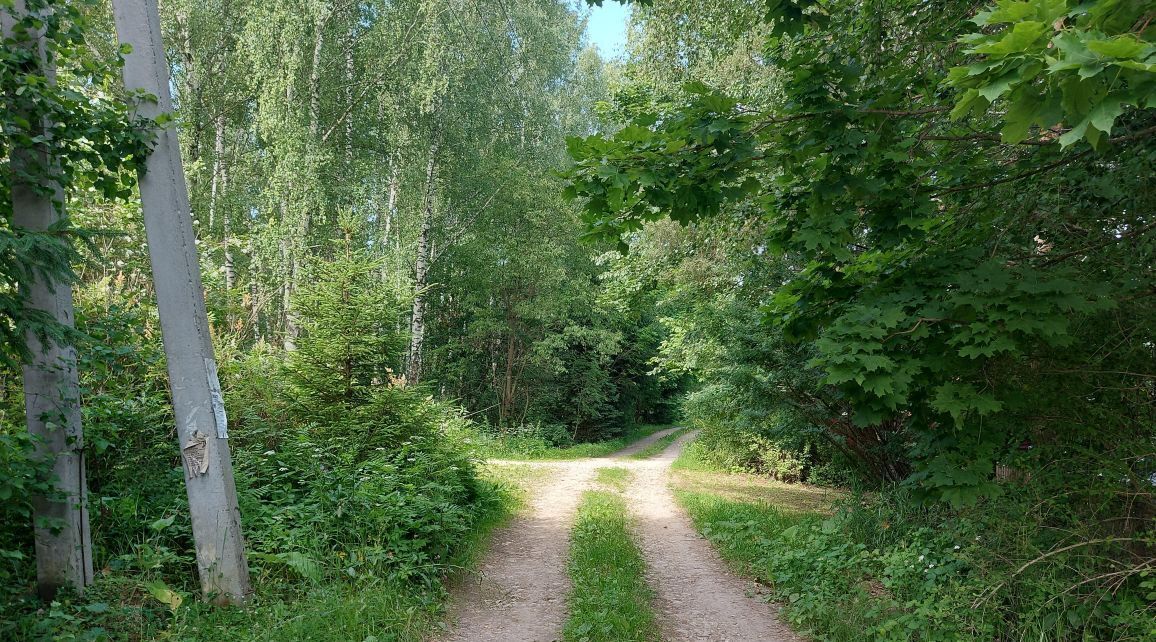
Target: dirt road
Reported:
point(519, 594)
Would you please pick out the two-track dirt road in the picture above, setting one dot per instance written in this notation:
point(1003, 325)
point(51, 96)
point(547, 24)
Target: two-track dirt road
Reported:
point(520, 591)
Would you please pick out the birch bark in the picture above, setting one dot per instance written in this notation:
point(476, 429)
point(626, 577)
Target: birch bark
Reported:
point(63, 541)
point(421, 275)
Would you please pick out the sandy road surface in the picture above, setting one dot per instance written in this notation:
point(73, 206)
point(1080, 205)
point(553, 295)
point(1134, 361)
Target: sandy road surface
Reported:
point(519, 593)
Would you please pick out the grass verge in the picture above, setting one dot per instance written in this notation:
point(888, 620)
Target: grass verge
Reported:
point(609, 600)
point(881, 566)
point(613, 477)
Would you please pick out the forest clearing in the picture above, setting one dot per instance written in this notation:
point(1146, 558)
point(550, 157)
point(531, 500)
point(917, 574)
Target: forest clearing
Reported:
point(581, 320)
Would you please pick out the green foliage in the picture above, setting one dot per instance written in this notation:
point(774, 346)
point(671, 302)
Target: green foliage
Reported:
point(1052, 62)
point(341, 494)
point(24, 475)
point(350, 342)
point(530, 442)
point(943, 284)
point(881, 569)
point(91, 142)
point(609, 599)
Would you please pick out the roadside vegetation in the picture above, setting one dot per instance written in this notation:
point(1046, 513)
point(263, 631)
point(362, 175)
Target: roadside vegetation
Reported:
point(849, 566)
point(530, 443)
point(609, 598)
point(900, 249)
point(905, 249)
point(660, 444)
point(391, 278)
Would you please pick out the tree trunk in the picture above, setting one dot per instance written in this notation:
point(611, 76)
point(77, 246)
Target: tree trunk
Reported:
point(421, 273)
point(215, 179)
point(51, 386)
point(349, 73)
point(390, 216)
point(507, 405)
point(217, 189)
point(196, 392)
point(289, 338)
point(315, 76)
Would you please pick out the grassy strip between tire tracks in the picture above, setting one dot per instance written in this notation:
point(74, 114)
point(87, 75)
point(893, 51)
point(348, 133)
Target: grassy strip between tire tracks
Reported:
point(662, 444)
point(609, 600)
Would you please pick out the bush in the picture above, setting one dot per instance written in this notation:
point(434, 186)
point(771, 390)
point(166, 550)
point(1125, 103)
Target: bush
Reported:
point(773, 441)
point(347, 477)
point(882, 568)
point(318, 506)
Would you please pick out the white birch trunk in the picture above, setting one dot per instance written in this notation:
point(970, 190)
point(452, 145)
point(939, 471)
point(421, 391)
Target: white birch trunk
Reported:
point(51, 385)
point(390, 213)
point(421, 273)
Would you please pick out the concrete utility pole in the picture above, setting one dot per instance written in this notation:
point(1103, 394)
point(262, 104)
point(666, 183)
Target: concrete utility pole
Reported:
point(197, 403)
point(51, 386)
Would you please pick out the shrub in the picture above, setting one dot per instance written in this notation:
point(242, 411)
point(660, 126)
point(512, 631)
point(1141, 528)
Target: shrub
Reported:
point(883, 568)
point(775, 441)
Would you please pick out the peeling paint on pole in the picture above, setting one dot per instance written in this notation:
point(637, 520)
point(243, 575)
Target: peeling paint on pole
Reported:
point(197, 401)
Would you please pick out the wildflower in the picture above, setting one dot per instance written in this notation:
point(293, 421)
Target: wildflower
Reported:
point(920, 558)
point(957, 547)
point(283, 469)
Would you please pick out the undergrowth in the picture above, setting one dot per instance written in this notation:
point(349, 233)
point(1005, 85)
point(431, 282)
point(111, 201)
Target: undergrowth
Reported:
point(882, 567)
point(357, 501)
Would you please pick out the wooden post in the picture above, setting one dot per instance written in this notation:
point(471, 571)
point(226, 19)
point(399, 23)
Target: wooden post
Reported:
point(200, 412)
point(51, 385)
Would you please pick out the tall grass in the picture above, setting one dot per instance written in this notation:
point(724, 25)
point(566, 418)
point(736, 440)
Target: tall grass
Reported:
point(883, 567)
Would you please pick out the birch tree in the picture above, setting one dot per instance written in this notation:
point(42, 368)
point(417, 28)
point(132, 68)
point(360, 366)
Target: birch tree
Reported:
point(51, 386)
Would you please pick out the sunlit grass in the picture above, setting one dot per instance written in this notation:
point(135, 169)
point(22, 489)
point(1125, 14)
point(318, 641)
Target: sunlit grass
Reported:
point(613, 477)
point(610, 600)
point(690, 473)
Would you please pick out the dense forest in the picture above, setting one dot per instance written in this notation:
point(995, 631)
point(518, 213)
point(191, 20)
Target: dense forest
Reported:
point(900, 250)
